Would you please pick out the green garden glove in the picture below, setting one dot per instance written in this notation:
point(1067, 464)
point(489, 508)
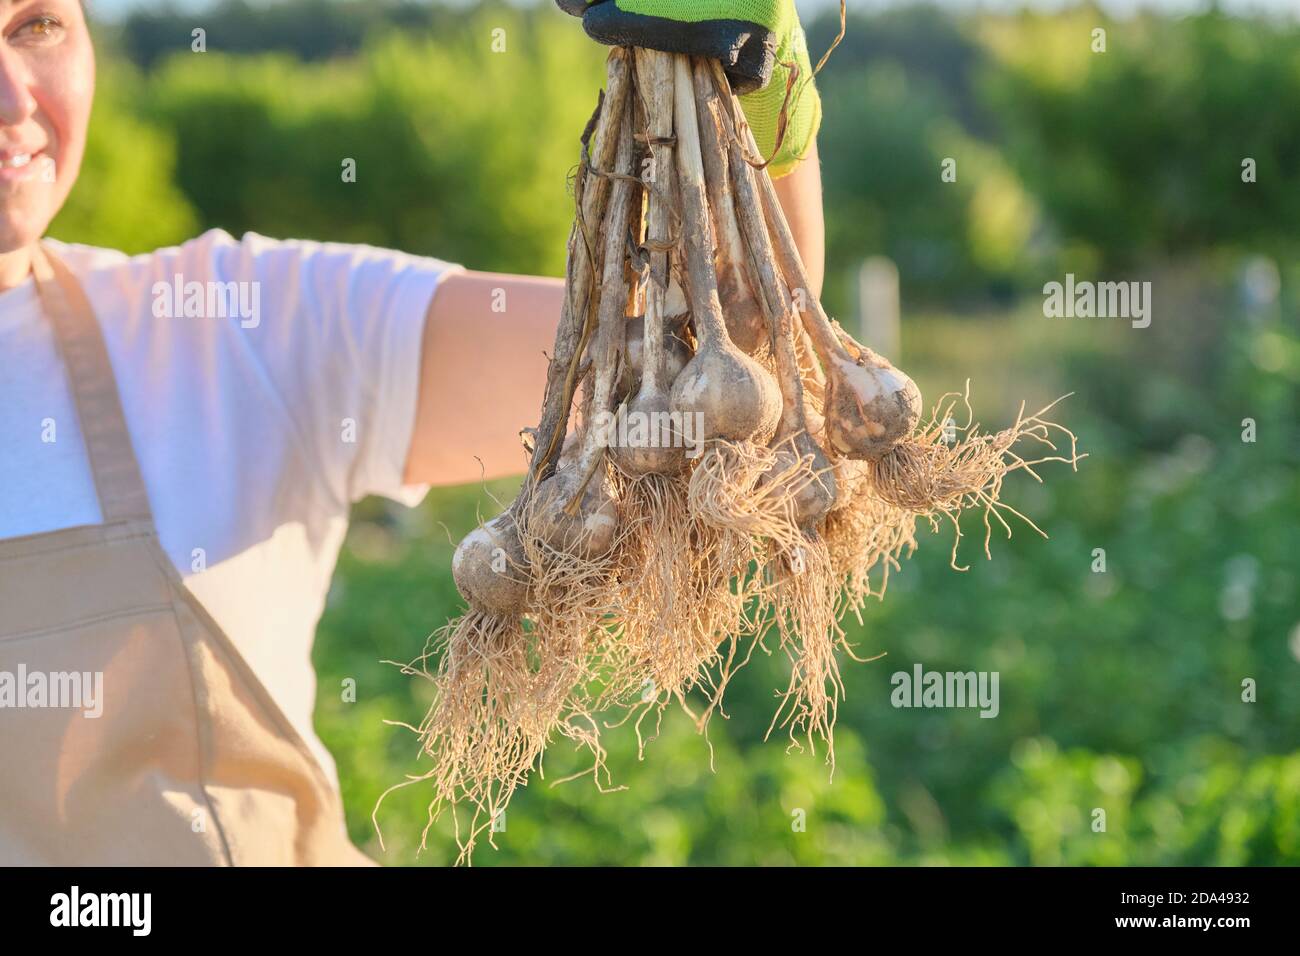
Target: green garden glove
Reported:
point(754, 39)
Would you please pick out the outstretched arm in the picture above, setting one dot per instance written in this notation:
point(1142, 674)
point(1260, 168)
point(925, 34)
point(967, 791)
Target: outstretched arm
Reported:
point(800, 194)
point(482, 375)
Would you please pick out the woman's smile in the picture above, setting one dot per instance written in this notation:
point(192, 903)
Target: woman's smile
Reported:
point(24, 165)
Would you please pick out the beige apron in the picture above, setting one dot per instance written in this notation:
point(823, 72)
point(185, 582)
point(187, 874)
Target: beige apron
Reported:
point(190, 761)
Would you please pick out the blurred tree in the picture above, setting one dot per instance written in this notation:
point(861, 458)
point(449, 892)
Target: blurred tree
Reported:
point(309, 29)
point(461, 148)
point(937, 47)
point(1138, 151)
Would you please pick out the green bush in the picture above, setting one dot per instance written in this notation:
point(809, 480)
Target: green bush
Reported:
point(1138, 152)
point(460, 152)
point(1120, 691)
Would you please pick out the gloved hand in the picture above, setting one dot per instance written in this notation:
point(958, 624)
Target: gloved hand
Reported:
point(754, 39)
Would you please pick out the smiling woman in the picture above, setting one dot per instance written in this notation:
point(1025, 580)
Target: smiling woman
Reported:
point(47, 85)
point(175, 483)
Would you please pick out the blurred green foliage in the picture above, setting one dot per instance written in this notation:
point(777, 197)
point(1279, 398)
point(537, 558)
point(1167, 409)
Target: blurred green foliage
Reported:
point(1140, 150)
point(461, 143)
point(1066, 159)
point(1120, 691)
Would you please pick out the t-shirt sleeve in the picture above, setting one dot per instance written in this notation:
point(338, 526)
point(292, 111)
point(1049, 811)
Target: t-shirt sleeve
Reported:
point(338, 328)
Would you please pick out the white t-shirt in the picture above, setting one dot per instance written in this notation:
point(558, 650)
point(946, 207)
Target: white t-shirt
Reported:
point(254, 432)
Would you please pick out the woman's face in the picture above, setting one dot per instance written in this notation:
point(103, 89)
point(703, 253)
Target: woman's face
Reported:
point(47, 84)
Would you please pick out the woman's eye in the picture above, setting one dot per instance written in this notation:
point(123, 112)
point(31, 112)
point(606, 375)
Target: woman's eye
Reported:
point(42, 29)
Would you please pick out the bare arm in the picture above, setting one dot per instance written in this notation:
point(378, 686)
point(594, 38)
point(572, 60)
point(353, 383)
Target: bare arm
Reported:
point(800, 194)
point(486, 337)
point(482, 375)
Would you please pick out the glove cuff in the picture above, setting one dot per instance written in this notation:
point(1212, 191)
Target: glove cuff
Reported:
point(799, 135)
point(763, 112)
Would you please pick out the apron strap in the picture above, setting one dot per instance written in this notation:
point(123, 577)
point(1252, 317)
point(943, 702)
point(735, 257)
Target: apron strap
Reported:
point(118, 483)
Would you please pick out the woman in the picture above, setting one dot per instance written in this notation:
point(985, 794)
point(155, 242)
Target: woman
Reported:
point(182, 434)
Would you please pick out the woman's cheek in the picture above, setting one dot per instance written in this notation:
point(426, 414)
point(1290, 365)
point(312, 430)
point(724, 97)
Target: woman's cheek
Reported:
point(68, 103)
